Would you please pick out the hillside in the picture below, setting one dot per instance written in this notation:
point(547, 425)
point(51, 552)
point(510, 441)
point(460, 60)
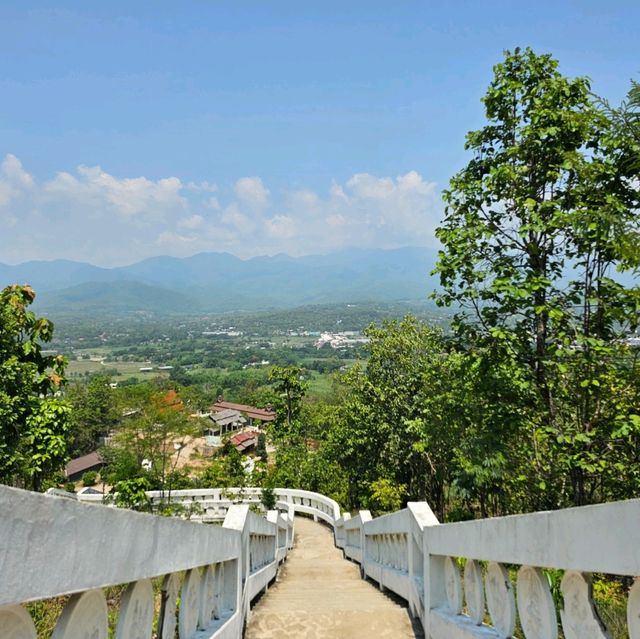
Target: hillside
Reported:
point(220, 282)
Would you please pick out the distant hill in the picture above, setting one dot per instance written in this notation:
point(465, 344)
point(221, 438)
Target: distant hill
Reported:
point(116, 298)
point(220, 282)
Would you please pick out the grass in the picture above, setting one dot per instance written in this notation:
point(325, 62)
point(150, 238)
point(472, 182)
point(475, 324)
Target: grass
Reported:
point(125, 370)
point(320, 385)
point(45, 614)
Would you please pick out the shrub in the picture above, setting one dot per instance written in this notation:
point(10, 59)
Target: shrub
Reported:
point(268, 498)
point(89, 478)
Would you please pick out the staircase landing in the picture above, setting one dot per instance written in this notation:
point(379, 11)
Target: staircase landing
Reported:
point(319, 595)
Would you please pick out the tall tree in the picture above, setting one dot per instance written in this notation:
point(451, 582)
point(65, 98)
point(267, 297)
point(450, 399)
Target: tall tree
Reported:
point(290, 386)
point(34, 421)
point(95, 413)
point(534, 228)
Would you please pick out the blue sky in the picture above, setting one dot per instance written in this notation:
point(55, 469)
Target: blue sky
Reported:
point(131, 129)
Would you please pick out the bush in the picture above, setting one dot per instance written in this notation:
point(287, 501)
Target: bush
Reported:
point(89, 478)
point(261, 447)
point(268, 498)
point(70, 487)
point(386, 496)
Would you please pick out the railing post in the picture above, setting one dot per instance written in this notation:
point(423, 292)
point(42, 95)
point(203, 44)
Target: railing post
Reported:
point(272, 516)
point(236, 519)
point(410, 564)
point(434, 583)
point(365, 516)
point(420, 518)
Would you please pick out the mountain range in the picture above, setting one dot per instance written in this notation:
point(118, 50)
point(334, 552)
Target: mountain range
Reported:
point(221, 282)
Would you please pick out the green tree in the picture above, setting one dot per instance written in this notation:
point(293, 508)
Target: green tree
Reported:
point(150, 444)
point(225, 470)
point(383, 430)
point(290, 388)
point(34, 421)
point(535, 226)
point(95, 413)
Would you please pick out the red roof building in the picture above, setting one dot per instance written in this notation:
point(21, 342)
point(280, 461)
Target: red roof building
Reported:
point(244, 441)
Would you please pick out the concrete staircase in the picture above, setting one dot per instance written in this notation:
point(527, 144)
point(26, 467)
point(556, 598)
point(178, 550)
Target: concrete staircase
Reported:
point(320, 595)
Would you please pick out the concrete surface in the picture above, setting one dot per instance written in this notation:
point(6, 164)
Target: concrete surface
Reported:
point(319, 595)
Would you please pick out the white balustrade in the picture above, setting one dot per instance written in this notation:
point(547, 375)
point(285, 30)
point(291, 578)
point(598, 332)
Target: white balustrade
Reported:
point(454, 577)
point(206, 576)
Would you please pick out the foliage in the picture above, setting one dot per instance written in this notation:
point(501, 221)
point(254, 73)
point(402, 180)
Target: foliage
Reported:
point(535, 225)
point(132, 494)
point(377, 431)
point(95, 413)
point(261, 447)
point(290, 388)
point(149, 444)
point(89, 478)
point(268, 498)
point(385, 496)
point(34, 420)
point(224, 471)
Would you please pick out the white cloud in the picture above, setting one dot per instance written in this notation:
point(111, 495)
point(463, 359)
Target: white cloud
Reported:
point(191, 222)
point(168, 238)
point(128, 196)
point(213, 203)
point(336, 220)
point(14, 180)
point(206, 187)
point(281, 226)
point(363, 185)
point(251, 192)
point(90, 214)
point(234, 217)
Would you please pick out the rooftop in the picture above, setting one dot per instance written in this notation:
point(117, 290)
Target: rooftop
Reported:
point(262, 414)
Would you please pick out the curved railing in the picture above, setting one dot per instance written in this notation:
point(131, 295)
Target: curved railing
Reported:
point(454, 577)
point(212, 504)
point(201, 579)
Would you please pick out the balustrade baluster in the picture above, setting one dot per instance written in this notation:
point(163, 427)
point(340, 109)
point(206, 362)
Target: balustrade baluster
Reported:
point(168, 606)
point(500, 600)
point(16, 623)
point(189, 604)
point(579, 617)
point(207, 597)
point(453, 585)
point(474, 591)
point(633, 610)
point(535, 605)
point(84, 615)
point(135, 620)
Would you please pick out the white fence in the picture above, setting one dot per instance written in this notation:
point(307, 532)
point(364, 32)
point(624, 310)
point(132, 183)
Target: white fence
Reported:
point(437, 568)
point(51, 546)
point(454, 577)
point(212, 504)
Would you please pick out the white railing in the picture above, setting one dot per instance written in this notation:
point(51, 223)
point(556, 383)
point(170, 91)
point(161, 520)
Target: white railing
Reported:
point(437, 568)
point(454, 577)
point(212, 504)
point(354, 536)
point(50, 546)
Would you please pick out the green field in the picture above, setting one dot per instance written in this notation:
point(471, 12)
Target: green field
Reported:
point(320, 384)
point(118, 370)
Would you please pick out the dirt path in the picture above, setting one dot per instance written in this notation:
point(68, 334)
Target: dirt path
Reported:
point(319, 595)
